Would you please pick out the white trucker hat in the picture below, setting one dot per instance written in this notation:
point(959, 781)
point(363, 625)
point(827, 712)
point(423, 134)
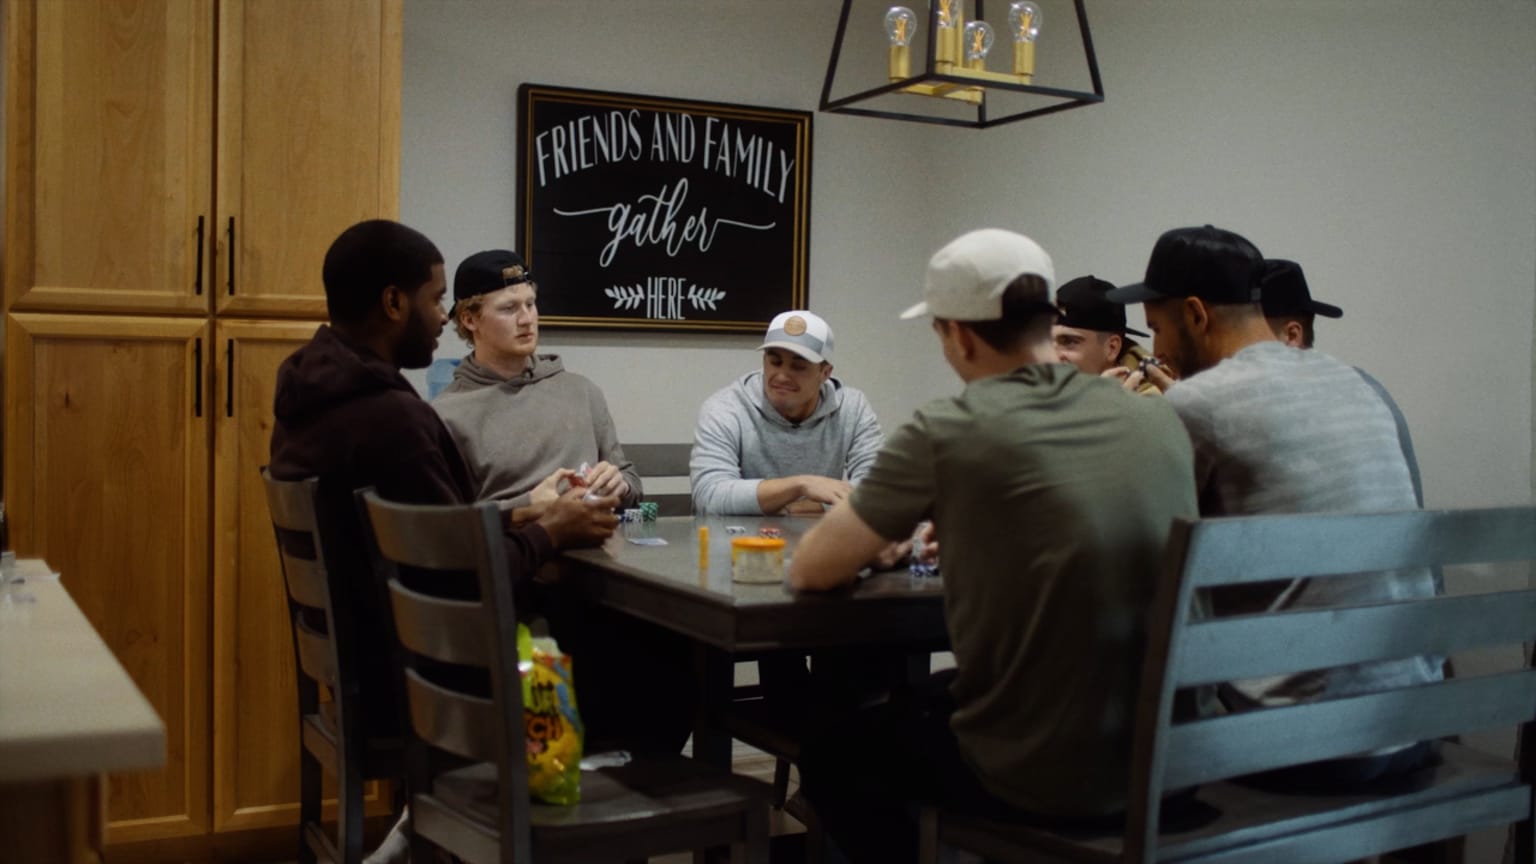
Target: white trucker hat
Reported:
point(966, 278)
point(802, 332)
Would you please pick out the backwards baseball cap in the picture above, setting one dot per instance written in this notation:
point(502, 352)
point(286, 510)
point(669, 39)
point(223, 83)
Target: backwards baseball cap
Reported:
point(1286, 294)
point(804, 333)
point(1083, 306)
point(484, 272)
point(1217, 266)
point(966, 279)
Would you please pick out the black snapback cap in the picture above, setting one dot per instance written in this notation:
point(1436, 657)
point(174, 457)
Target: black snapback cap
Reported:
point(1285, 292)
point(1082, 304)
point(1216, 265)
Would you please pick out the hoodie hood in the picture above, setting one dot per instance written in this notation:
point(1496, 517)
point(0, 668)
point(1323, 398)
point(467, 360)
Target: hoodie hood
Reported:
point(327, 371)
point(749, 389)
point(470, 375)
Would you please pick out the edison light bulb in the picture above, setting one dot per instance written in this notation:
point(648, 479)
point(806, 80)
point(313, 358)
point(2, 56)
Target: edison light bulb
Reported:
point(951, 13)
point(978, 41)
point(1024, 23)
point(947, 39)
point(900, 24)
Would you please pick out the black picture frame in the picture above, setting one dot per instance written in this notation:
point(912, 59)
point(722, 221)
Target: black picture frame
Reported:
point(654, 214)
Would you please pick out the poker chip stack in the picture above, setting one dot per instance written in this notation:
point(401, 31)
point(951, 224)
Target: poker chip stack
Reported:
point(631, 514)
point(923, 570)
point(648, 511)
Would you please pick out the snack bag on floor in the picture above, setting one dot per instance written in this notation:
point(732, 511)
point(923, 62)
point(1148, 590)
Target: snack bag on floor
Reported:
point(554, 729)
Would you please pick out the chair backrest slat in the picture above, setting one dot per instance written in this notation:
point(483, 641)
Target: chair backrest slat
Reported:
point(659, 460)
point(316, 657)
point(1253, 646)
point(451, 720)
point(663, 462)
point(306, 580)
point(1212, 749)
point(450, 631)
point(431, 538)
point(1269, 548)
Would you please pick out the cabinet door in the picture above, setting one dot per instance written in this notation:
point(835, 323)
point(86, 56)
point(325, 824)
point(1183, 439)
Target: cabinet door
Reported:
point(308, 139)
point(106, 459)
point(110, 155)
point(255, 715)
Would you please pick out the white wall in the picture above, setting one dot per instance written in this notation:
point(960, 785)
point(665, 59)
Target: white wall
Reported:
point(463, 63)
point(1389, 145)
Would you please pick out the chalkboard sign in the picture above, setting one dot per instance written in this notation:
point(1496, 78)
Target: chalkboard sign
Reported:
point(643, 213)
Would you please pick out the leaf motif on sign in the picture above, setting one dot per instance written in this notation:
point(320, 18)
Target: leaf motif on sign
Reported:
point(704, 298)
point(625, 296)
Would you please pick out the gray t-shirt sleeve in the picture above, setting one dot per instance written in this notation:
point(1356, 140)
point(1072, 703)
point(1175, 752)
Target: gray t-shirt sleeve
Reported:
point(1191, 405)
point(899, 490)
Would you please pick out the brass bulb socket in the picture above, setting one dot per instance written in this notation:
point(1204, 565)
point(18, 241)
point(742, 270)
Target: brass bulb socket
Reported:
point(947, 45)
point(901, 62)
point(1024, 60)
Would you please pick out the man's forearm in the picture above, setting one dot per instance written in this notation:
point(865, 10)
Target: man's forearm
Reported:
point(776, 494)
point(834, 550)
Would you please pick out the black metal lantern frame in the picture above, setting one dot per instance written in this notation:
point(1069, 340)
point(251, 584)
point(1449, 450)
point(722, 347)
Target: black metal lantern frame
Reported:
point(934, 79)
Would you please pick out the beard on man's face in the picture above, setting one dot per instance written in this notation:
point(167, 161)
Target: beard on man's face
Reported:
point(417, 343)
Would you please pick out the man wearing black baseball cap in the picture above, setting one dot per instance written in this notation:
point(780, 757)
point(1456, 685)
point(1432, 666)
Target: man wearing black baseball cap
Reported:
point(1090, 333)
point(1279, 430)
point(523, 421)
point(1288, 304)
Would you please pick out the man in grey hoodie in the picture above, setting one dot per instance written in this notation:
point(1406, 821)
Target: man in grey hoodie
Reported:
point(524, 424)
point(788, 439)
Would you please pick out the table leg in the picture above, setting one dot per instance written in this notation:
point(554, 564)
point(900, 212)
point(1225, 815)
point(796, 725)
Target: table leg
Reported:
point(714, 671)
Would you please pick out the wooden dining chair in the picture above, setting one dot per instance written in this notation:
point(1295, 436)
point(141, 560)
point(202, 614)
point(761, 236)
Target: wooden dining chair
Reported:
point(466, 751)
point(663, 466)
point(331, 731)
point(1463, 791)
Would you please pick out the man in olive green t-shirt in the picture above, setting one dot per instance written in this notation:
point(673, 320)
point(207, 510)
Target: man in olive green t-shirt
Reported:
point(1052, 493)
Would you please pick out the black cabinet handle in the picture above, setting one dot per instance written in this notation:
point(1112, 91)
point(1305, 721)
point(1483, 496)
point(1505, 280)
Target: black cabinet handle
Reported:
point(230, 255)
point(229, 379)
point(197, 377)
point(198, 284)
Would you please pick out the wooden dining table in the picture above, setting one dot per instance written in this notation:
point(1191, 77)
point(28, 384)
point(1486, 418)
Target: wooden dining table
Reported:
point(677, 585)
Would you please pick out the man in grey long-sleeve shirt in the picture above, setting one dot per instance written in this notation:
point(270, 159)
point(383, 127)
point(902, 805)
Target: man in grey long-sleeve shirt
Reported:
point(1278, 430)
point(788, 439)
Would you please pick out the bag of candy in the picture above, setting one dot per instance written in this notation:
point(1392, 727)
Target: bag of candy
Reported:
point(554, 729)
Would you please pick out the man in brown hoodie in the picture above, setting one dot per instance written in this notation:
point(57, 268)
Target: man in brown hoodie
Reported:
point(345, 414)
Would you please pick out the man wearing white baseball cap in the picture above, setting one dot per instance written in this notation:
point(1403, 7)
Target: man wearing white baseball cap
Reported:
point(790, 438)
point(1051, 492)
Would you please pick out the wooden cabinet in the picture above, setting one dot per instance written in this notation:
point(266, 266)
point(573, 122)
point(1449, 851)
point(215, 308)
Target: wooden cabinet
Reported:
point(115, 134)
point(110, 158)
point(175, 170)
point(107, 461)
point(309, 104)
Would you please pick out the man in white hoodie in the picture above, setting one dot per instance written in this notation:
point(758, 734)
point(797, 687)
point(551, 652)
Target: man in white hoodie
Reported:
point(787, 439)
